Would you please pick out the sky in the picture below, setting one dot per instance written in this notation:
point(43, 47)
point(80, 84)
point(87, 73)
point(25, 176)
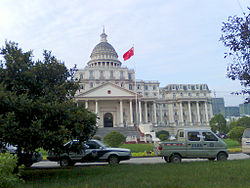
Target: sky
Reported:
point(175, 41)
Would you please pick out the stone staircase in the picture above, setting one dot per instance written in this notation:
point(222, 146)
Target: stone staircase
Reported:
point(126, 131)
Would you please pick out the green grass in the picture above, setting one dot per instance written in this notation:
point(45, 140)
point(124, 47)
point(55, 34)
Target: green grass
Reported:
point(136, 148)
point(232, 143)
point(193, 174)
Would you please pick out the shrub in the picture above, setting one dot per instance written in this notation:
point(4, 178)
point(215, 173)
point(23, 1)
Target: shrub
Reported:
point(163, 137)
point(162, 132)
point(114, 139)
point(236, 133)
point(8, 163)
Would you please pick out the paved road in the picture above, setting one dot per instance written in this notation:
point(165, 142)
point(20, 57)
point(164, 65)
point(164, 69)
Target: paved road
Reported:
point(146, 160)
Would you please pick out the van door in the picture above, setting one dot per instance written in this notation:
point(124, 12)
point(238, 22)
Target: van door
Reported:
point(210, 144)
point(194, 144)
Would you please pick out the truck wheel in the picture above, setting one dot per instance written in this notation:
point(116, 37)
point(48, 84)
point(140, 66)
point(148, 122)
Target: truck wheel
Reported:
point(113, 159)
point(64, 162)
point(167, 159)
point(222, 156)
point(175, 159)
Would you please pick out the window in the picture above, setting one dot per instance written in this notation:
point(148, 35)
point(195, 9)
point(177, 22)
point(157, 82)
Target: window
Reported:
point(138, 86)
point(154, 87)
point(181, 94)
point(130, 87)
point(129, 76)
point(174, 95)
point(91, 85)
point(121, 74)
point(90, 74)
point(181, 134)
point(197, 94)
point(111, 74)
point(146, 87)
point(81, 76)
point(193, 136)
point(189, 94)
point(208, 136)
point(155, 94)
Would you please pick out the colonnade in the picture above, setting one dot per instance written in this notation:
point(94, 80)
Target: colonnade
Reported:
point(147, 112)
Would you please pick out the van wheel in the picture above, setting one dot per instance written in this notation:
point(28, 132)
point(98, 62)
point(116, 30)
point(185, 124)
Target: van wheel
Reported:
point(113, 159)
point(64, 162)
point(167, 159)
point(175, 159)
point(222, 156)
point(211, 159)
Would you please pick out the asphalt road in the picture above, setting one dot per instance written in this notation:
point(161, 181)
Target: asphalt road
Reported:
point(145, 160)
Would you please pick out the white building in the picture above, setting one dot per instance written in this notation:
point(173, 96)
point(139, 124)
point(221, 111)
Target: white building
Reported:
point(112, 91)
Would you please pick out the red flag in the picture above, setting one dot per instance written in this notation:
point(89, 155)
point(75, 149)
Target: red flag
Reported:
point(128, 54)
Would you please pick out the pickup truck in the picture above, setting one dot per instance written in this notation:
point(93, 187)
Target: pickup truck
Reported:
point(89, 151)
point(192, 143)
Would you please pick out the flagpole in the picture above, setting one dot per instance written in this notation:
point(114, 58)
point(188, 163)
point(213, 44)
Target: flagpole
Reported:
point(126, 56)
point(136, 98)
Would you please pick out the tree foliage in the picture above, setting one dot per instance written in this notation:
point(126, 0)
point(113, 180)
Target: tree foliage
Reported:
point(114, 139)
point(236, 32)
point(36, 106)
point(218, 124)
point(236, 133)
point(243, 122)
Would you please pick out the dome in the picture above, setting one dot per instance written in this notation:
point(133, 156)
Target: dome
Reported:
point(104, 48)
point(104, 52)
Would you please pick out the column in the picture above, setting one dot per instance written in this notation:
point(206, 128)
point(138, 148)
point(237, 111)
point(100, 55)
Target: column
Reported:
point(198, 112)
point(160, 113)
point(96, 107)
point(146, 112)
point(140, 113)
point(181, 114)
point(154, 106)
point(211, 110)
point(131, 113)
point(86, 104)
point(190, 114)
point(206, 114)
point(121, 113)
point(171, 114)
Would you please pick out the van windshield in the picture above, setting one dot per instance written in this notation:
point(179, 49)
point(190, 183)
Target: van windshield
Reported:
point(246, 133)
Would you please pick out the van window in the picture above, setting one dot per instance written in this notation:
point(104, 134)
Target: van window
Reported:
point(246, 133)
point(208, 136)
point(193, 136)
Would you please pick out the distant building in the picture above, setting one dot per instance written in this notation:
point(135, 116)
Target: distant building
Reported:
point(218, 106)
point(244, 109)
point(232, 111)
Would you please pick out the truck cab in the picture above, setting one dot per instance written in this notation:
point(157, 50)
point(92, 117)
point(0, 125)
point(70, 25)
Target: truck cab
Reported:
point(192, 143)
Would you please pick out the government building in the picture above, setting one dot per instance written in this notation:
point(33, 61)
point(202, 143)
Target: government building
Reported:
point(123, 102)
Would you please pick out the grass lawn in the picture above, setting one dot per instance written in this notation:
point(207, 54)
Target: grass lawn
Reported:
point(193, 174)
point(232, 143)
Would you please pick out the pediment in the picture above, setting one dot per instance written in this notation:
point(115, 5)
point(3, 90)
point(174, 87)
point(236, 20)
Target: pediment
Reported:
point(107, 90)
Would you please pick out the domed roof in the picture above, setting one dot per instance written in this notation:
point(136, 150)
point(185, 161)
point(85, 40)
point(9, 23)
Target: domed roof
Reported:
point(104, 48)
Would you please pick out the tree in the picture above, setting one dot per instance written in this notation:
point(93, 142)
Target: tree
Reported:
point(243, 122)
point(114, 139)
point(218, 123)
point(235, 36)
point(236, 133)
point(36, 102)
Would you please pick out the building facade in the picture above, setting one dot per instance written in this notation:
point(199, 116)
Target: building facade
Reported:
point(120, 100)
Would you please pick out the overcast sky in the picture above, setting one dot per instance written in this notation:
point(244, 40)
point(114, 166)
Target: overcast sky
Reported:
point(176, 41)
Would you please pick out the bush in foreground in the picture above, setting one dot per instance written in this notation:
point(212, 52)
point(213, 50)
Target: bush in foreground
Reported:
point(8, 163)
point(114, 139)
